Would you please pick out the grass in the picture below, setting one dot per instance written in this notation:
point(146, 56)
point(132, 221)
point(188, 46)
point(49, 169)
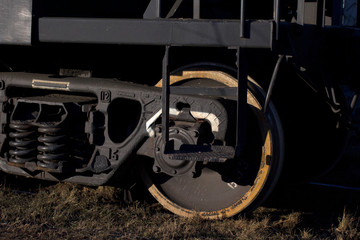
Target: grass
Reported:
point(68, 211)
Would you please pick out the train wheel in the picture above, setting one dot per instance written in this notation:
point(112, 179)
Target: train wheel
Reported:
point(224, 189)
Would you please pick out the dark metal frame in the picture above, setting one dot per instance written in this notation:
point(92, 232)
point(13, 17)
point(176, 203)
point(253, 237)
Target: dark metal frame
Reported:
point(216, 33)
point(106, 91)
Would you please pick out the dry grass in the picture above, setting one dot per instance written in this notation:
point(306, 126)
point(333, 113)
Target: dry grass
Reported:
point(348, 226)
point(67, 211)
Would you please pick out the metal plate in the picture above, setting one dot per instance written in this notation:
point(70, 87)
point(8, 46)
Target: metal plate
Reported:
point(210, 33)
point(15, 22)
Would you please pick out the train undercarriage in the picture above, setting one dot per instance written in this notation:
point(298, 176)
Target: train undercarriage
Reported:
point(89, 89)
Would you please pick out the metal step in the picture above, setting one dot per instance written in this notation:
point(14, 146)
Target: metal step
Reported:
point(202, 153)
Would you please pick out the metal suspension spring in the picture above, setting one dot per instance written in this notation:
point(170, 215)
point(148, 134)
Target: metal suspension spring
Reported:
point(53, 149)
point(23, 143)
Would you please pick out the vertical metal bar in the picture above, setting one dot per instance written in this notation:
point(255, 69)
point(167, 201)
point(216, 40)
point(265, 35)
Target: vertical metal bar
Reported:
point(337, 12)
point(158, 6)
point(242, 70)
point(276, 15)
point(196, 9)
point(320, 19)
point(300, 12)
point(242, 18)
point(165, 97)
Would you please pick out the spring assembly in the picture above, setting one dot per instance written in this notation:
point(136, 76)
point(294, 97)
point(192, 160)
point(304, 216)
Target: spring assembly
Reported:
point(23, 143)
point(52, 148)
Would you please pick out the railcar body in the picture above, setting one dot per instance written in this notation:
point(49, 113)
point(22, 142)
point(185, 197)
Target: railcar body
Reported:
point(208, 101)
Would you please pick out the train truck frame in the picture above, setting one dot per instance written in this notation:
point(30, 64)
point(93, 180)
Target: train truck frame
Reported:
point(209, 102)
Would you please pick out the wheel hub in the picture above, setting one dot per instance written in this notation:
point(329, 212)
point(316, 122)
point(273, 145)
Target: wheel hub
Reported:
point(178, 136)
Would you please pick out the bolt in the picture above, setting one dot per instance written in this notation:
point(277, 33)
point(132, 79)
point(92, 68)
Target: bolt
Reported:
point(156, 169)
point(158, 129)
point(174, 171)
point(157, 149)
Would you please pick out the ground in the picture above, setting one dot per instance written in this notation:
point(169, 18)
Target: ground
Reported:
point(68, 211)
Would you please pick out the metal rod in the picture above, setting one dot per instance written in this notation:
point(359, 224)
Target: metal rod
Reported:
point(354, 102)
point(165, 97)
point(242, 70)
point(335, 186)
point(174, 8)
point(320, 19)
point(158, 6)
point(242, 18)
point(272, 82)
point(277, 17)
point(314, 87)
point(196, 9)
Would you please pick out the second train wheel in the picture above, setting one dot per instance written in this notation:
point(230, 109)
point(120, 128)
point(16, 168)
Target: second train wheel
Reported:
point(225, 189)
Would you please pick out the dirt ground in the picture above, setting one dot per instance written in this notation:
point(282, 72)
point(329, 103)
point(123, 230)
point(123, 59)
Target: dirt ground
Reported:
point(67, 211)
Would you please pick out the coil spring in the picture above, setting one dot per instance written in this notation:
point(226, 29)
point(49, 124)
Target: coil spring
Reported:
point(53, 148)
point(23, 143)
